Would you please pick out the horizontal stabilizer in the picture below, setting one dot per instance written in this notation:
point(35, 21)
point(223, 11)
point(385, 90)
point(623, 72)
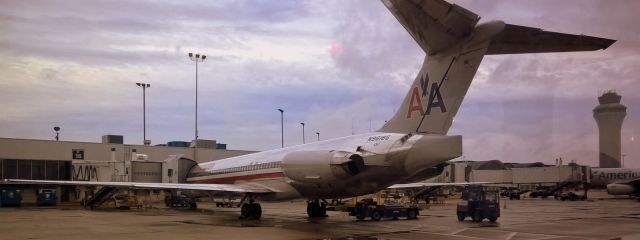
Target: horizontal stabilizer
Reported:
point(435, 24)
point(516, 39)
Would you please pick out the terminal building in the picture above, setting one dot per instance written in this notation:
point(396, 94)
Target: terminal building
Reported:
point(110, 160)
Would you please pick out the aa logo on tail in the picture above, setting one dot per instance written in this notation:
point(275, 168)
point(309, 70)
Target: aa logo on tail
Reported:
point(434, 97)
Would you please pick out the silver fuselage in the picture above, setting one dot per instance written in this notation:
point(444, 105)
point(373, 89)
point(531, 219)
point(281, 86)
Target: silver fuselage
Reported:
point(389, 158)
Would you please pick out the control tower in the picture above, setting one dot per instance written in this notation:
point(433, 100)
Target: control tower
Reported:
point(609, 116)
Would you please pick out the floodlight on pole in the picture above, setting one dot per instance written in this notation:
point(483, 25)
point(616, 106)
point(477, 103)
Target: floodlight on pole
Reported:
point(144, 86)
point(196, 58)
point(302, 132)
point(318, 133)
point(281, 126)
point(57, 129)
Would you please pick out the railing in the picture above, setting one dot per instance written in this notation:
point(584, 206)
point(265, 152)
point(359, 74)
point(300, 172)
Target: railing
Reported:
point(119, 178)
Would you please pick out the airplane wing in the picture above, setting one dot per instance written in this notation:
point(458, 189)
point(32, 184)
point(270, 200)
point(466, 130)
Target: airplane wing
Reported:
point(520, 39)
point(425, 184)
point(240, 188)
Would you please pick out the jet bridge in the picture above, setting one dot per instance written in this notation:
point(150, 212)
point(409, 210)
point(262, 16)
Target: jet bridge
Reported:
point(546, 181)
point(534, 175)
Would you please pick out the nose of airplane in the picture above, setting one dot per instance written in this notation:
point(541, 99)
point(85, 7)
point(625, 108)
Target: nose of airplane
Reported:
point(431, 150)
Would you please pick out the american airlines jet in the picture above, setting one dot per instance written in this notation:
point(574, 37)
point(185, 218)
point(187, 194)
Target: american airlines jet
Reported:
point(618, 181)
point(408, 147)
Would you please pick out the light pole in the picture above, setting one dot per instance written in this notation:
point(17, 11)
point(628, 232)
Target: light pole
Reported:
point(56, 128)
point(302, 132)
point(144, 86)
point(318, 133)
point(281, 126)
point(196, 58)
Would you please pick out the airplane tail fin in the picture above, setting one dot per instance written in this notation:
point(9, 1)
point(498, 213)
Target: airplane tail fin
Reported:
point(455, 45)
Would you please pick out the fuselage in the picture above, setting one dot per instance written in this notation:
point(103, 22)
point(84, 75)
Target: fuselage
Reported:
point(601, 177)
point(387, 158)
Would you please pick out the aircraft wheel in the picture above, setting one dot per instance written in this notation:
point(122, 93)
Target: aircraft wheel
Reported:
point(312, 209)
point(257, 211)
point(245, 211)
point(376, 216)
point(412, 214)
point(316, 209)
point(461, 216)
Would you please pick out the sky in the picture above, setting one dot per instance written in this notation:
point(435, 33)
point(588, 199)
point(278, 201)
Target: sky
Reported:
point(341, 67)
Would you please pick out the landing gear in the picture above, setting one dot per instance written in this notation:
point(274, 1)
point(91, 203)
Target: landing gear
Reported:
point(250, 210)
point(316, 209)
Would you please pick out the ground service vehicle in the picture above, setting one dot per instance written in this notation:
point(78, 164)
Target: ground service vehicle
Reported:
point(369, 208)
point(46, 196)
point(571, 196)
point(10, 196)
point(479, 203)
point(512, 193)
point(180, 201)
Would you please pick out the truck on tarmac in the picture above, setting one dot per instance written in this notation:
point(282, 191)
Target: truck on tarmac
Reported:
point(479, 202)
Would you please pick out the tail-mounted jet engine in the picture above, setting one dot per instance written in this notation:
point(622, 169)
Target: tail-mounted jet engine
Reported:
point(321, 166)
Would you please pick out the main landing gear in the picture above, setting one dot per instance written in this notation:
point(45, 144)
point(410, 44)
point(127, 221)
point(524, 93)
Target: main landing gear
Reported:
point(316, 209)
point(250, 210)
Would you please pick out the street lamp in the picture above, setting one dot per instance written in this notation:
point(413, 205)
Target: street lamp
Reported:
point(196, 58)
point(302, 132)
point(56, 128)
point(281, 126)
point(318, 133)
point(144, 86)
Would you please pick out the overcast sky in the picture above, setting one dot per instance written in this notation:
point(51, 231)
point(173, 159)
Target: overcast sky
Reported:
point(338, 66)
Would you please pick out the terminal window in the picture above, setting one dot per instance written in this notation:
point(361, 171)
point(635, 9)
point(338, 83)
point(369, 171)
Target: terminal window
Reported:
point(34, 169)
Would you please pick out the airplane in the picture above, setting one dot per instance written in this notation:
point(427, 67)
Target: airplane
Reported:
point(618, 181)
point(408, 147)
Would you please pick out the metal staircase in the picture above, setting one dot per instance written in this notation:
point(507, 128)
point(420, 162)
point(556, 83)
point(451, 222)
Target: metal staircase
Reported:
point(425, 193)
point(101, 196)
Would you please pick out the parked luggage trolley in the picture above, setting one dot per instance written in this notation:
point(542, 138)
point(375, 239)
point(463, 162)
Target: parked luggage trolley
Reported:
point(479, 202)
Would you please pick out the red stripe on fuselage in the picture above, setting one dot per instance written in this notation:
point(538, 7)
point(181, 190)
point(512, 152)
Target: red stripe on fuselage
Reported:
point(233, 179)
